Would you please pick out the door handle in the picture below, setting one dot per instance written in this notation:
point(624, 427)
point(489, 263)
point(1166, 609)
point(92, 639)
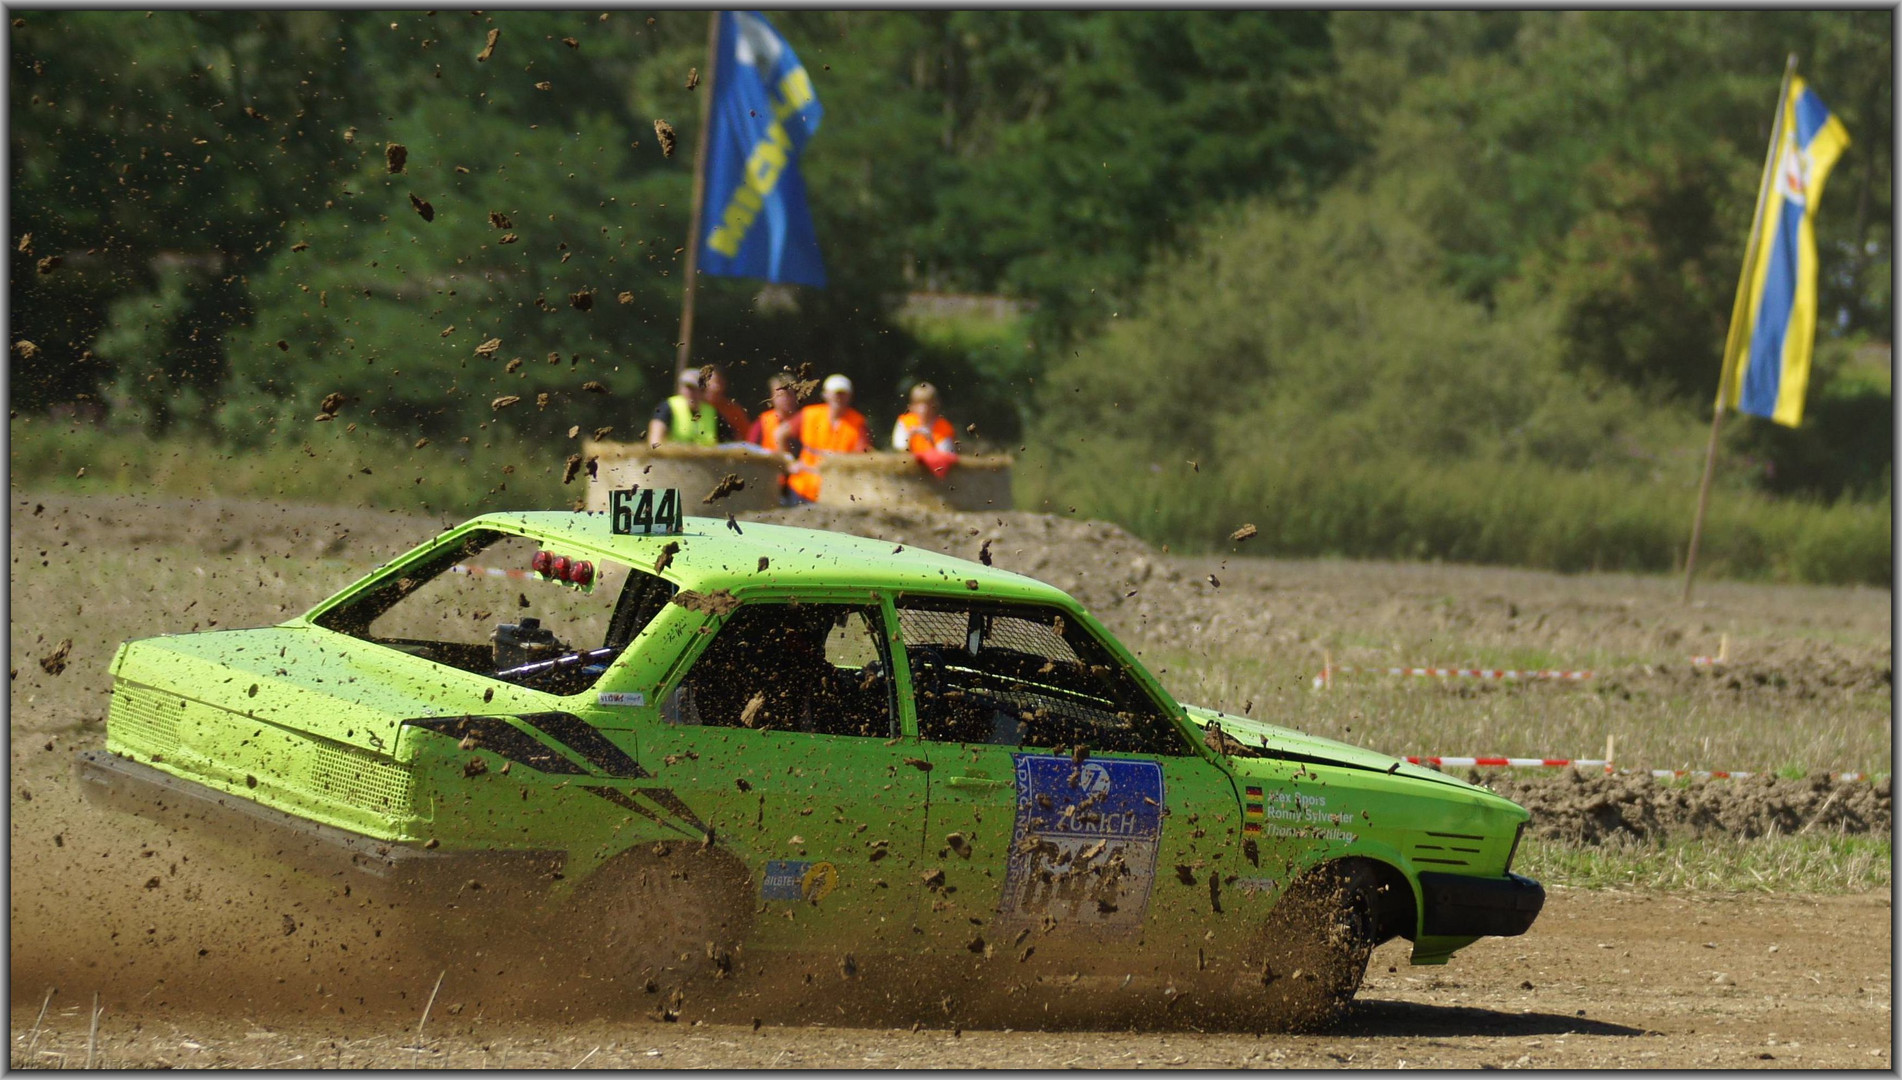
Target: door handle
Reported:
point(979, 782)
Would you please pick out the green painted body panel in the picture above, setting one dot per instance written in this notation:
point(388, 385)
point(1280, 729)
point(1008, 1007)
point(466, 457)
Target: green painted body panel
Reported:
point(837, 831)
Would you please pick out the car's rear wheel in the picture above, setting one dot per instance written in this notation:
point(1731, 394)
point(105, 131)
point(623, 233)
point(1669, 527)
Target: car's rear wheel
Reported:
point(659, 918)
point(1316, 944)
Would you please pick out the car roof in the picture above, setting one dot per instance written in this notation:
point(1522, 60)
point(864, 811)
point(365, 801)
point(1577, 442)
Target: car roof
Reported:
point(712, 555)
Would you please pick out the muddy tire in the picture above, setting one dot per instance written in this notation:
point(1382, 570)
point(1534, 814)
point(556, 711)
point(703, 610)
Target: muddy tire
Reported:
point(1315, 946)
point(659, 919)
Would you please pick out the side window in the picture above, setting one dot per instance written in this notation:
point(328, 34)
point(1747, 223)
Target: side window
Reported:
point(819, 668)
point(1024, 676)
point(480, 606)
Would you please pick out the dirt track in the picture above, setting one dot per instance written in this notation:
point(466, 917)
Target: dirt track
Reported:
point(199, 965)
point(1605, 980)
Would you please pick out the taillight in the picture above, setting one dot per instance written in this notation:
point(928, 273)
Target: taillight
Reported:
point(558, 568)
point(540, 562)
point(581, 572)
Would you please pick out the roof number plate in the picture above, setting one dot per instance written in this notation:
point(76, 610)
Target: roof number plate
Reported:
point(636, 511)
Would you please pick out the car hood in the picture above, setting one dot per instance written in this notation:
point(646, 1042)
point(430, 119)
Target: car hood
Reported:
point(1289, 743)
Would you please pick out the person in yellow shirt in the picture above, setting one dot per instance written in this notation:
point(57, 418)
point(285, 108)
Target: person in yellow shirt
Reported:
point(834, 427)
point(688, 417)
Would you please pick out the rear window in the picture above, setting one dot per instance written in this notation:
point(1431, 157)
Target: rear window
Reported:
point(480, 605)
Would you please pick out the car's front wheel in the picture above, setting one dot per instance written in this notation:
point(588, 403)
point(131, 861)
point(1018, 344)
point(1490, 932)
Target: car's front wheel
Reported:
point(1316, 944)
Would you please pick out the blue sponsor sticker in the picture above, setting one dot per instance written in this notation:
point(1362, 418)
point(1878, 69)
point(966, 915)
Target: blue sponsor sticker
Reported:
point(783, 879)
point(1084, 845)
point(798, 879)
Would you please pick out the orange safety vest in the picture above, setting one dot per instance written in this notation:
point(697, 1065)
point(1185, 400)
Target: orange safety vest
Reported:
point(818, 432)
point(735, 416)
point(941, 430)
point(769, 422)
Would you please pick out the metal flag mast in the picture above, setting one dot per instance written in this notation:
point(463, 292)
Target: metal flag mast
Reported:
point(1739, 312)
point(685, 345)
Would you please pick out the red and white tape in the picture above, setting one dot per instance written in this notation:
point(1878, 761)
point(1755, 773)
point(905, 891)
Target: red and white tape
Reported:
point(1595, 763)
point(1515, 762)
point(1702, 774)
point(1326, 674)
point(1723, 654)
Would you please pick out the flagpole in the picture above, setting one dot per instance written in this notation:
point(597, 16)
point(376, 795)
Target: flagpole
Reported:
point(1739, 311)
point(685, 347)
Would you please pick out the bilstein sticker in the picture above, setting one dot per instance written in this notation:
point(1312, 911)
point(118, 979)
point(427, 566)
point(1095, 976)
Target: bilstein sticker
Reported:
point(797, 879)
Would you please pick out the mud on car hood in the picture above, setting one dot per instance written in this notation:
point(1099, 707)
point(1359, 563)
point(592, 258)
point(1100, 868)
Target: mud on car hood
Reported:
point(1271, 740)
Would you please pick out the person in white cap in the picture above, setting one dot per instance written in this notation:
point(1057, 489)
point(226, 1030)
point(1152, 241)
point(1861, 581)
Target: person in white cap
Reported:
point(834, 427)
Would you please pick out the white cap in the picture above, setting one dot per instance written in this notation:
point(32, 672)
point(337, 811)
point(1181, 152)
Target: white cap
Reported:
point(837, 382)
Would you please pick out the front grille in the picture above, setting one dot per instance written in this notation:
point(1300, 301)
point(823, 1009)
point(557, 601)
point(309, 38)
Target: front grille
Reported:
point(361, 779)
point(143, 720)
point(1446, 849)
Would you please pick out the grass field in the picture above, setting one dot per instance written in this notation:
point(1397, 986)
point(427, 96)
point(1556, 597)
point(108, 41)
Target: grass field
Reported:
point(1807, 686)
point(1516, 515)
point(332, 463)
point(1807, 864)
point(1567, 522)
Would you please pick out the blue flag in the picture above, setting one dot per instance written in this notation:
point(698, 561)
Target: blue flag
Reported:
point(1773, 322)
point(755, 222)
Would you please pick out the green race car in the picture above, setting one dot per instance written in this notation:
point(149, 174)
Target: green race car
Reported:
point(706, 751)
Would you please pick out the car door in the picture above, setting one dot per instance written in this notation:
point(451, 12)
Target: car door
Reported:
point(1068, 809)
point(785, 727)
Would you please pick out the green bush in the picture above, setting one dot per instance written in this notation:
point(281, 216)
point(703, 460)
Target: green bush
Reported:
point(1348, 402)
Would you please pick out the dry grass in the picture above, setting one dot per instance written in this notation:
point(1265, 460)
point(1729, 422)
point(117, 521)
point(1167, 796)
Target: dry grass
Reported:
point(326, 463)
point(1811, 664)
point(1804, 864)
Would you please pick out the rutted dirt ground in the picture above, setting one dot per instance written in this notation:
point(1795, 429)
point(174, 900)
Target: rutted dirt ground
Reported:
point(200, 964)
point(1593, 808)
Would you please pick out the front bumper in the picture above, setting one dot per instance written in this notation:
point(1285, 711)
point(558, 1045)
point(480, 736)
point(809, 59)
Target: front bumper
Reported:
point(118, 783)
point(1459, 906)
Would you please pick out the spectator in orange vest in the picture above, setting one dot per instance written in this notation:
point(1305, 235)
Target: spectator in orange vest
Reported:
point(777, 429)
point(832, 428)
point(713, 377)
point(924, 428)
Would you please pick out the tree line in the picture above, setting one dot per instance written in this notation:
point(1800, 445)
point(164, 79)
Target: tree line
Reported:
point(1480, 237)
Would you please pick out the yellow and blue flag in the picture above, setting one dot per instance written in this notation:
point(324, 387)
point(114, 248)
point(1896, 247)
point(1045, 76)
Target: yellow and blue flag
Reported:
point(1773, 323)
point(764, 110)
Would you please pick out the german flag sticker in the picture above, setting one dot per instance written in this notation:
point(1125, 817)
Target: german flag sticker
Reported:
point(1252, 811)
